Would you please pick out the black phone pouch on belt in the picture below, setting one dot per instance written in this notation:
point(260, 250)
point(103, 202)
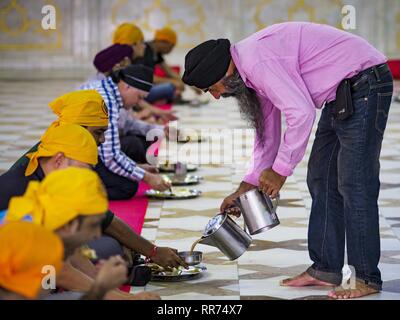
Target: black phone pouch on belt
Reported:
point(344, 103)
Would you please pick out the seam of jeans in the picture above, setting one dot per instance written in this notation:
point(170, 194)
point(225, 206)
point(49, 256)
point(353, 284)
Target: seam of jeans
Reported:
point(378, 112)
point(359, 177)
point(326, 200)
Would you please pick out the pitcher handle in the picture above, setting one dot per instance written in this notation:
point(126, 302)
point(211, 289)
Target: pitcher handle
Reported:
point(274, 201)
point(230, 216)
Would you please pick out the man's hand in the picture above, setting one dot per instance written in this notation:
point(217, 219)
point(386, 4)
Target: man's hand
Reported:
point(229, 205)
point(229, 201)
point(271, 182)
point(112, 273)
point(168, 257)
point(156, 181)
point(166, 115)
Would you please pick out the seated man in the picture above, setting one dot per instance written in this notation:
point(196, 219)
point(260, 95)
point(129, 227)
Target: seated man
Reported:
point(25, 249)
point(72, 202)
point(122, 90)
point(112, 58)
point(132, 131)
point(119, 56)
point(66, 145)
point(130, 34)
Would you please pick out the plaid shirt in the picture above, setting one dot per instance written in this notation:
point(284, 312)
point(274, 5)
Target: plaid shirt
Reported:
point(110, 151)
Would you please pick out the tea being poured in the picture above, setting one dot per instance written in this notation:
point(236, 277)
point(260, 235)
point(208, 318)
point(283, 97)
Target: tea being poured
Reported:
point(195, 244)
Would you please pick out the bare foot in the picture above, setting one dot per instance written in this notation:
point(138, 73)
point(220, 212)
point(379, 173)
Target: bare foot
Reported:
point(360, 290)
point(304, 280)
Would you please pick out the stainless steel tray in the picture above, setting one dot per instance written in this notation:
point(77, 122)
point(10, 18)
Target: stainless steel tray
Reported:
point(192, 273)
point(166, 195)
point(184, 181)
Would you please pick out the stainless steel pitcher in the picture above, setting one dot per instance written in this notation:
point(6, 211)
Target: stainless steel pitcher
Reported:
point(225, 234)
point(258, 211)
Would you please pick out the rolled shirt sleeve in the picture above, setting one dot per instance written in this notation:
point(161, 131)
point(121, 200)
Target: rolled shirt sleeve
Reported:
point(279, 79)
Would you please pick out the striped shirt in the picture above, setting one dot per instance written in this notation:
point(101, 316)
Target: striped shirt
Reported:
point(110, 151)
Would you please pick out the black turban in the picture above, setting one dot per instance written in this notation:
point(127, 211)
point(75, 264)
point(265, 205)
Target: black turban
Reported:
point(207, 63)
point(136, 75)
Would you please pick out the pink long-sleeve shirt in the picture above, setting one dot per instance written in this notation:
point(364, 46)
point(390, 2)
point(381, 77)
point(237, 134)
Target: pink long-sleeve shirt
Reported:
point(294, 68)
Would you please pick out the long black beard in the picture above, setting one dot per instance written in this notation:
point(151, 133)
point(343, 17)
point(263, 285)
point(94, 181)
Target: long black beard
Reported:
point(249, 105)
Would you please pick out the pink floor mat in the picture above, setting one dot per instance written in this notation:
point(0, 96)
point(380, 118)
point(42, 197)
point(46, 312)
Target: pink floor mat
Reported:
point(132, 211)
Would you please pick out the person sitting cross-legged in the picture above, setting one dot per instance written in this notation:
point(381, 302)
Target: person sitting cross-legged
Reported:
point(72, 202)
point(85, 108)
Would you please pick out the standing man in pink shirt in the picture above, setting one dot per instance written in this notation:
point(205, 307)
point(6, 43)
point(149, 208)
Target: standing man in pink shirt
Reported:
point(295, 68)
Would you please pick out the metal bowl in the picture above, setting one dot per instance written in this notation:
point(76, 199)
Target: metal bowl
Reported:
point(191, 258)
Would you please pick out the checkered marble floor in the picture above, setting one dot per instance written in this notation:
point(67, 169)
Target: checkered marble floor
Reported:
point(274, 255)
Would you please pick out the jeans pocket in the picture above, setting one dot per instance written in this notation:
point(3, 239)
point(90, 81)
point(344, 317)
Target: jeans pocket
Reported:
point(382, 111)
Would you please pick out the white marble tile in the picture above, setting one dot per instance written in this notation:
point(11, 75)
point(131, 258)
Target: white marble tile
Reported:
point(275, 258)
point(270, 287)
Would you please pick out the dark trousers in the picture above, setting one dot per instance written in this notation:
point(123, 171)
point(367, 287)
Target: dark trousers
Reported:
point(343, 179)
point(164, 91)
point(117, 187)
point(106, 247)
point(135, 146)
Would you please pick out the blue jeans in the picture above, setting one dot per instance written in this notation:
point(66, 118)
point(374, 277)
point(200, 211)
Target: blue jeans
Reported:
point(343, 179)
point(163, 91)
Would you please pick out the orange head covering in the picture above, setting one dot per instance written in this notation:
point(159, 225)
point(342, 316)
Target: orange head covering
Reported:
point(25, 249)
point(62, 196)
point(71, 139)
point(83, 107)
point(166, 34)
point(128, 33)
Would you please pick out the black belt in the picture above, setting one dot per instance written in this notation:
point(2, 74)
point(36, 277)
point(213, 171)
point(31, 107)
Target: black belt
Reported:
point(359, 79)
point(378, 71)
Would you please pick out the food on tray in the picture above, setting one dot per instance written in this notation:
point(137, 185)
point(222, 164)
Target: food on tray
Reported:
point(177, 193)
point(181, 180)
point(88, 253)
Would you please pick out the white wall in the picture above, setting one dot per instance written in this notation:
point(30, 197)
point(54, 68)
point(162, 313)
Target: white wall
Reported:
point(85, 26)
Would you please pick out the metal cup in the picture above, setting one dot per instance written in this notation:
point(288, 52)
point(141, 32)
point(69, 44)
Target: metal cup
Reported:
point(180, 169)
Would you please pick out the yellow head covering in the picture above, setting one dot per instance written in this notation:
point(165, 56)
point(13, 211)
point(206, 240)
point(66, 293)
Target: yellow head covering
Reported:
point(74, 141)
point(59, 198)
point(84, 107)
point(25, 249)
point(128, 33)
point(166, 34)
